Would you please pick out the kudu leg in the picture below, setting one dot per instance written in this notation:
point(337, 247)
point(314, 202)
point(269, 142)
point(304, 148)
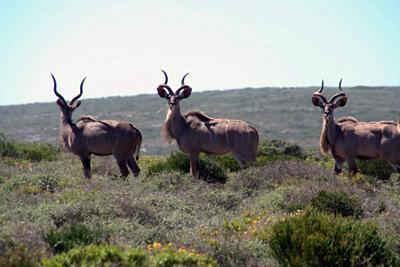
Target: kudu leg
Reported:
point(86, 166)
point(194, 165)
point(395, 167)
point(352, 166)
point(133, 166)
point(122, 167)
point(337, 169)
point(239, 160)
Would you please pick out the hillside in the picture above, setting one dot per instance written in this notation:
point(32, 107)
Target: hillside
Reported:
point(278, 113)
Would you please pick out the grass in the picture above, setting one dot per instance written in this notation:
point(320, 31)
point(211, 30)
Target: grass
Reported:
point(49, 200)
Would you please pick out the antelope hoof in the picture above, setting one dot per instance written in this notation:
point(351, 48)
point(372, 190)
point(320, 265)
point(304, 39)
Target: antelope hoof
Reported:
point(88, 175)
point(353, 173)
point(337, 171)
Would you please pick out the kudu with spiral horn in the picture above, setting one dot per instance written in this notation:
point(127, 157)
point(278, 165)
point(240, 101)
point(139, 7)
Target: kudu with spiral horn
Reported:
point(196, 132)
point(88, 136)
point(346, 139)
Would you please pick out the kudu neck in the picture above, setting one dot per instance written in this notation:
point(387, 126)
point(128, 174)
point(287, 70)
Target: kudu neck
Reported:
point(331, 128)
point(66, 120)
point(175, 122)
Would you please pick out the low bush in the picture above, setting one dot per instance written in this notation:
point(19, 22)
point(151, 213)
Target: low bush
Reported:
point(34, 184)
point(175, 161)
point(227, 162)
point(107, 255)
point(318, 239)
point(72, 236)
point(48, 183)
point(178, 161)
point(278, 149)
point(337, 203)
point(19, 257)
point(27, 151)
point(379, 169)
point(98, 255)
point(211, 172)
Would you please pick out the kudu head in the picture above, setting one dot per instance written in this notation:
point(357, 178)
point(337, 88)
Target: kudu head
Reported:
point(165, 91)
point(338, 100)
point(66, 108)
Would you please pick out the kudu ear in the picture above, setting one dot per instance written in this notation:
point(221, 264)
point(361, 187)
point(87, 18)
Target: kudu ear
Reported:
point(317, 101)
point(162, 92)
point(60, 103)
point(185, 92)
point(341, 101)
point(76, 104)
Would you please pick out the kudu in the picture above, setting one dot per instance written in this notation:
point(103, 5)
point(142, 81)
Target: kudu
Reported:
point(348, 139)
point(195, 132)
point(89, 136)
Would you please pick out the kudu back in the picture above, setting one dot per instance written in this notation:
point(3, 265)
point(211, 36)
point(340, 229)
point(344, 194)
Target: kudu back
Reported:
point(348, 139)
point(88, 136)
point(196, 132)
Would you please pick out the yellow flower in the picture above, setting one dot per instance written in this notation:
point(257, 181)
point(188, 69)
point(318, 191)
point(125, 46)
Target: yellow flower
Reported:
point(181, 249)
point(157, 245)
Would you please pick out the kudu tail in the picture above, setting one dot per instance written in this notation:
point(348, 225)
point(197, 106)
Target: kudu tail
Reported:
point(139, 144)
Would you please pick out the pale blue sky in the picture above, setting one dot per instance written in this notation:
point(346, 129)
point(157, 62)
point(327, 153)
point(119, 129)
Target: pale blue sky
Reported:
point(122, 45)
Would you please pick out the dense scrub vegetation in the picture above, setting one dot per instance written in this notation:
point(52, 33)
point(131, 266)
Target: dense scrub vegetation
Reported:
point(25, 150)
point(286, 208)
point(313, 239)
point(156, 255)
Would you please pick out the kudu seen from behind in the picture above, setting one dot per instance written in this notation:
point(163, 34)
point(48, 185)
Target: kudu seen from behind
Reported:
point(195, 132)
point(348, 139)
point(88, 136)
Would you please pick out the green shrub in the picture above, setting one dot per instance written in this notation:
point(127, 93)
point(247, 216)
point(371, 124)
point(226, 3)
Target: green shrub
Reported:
point(379, 169)
point(318, 239)
point(337, 203)
point(278, 149)
point(19, 256)
point(31, 183)
point(211, 172)
point(178, 161)
point(227, 162)
point(107, 255)
point(27, 151)
point(48, 183)
point(175, 161)
point(72, 236)
point(169, 258)
point(98, 255)
point(156, 166)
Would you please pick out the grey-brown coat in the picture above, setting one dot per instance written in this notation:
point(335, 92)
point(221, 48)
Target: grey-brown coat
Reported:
point(348, 139)
point(89, 136)
point(195, 132)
